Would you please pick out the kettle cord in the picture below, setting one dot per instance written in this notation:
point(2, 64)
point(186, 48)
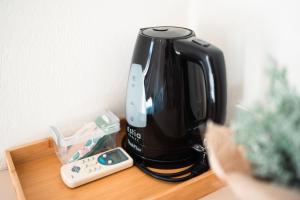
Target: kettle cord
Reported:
point(191, 172)
point(200, 166)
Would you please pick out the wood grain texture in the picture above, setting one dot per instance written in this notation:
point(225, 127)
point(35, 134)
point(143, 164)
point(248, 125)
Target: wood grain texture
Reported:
point(14, 176)
point(34, 169)
point(32, 151)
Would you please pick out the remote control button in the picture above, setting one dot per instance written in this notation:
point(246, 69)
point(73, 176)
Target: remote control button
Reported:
point(109, 161)
point(104, 155)
point(75, 169)
point(102, 160)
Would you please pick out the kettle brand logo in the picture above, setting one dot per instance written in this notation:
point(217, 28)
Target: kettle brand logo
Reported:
point(133, 133)
point(134, 146)
point(134, 138)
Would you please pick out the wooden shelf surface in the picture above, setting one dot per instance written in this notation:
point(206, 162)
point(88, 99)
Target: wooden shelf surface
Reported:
point(35, 173)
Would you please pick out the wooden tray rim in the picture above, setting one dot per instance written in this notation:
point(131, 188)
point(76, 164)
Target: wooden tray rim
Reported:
point(9, 154)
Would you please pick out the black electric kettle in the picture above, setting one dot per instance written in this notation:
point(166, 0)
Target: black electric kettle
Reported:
point(176, 83)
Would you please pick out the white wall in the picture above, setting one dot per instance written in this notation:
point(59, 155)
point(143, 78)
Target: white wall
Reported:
point(63, 61)
point(249, 31)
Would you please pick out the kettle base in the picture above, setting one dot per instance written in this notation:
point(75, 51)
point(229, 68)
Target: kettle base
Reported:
point(170, 164)
point(194, 167)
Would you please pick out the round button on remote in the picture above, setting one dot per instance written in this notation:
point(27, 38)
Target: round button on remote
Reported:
point(101, 160)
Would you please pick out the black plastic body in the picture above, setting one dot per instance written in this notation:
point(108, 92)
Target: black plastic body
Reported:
point(186, 81)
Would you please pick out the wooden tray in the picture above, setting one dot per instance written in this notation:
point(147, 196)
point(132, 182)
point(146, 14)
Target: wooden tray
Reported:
point(34, 170)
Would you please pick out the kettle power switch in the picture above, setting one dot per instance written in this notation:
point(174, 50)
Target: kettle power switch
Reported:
point(200, 42)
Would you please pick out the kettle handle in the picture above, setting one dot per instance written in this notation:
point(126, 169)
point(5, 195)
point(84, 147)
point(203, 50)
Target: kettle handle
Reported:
point(211, 59)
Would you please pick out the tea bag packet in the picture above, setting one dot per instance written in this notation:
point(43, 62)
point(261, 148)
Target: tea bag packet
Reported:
point(104, 125)
point(88, 135)
point(91, 138)
point(108, 122)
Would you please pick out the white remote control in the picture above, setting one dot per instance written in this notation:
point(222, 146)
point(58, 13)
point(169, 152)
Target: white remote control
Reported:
point(100, 165)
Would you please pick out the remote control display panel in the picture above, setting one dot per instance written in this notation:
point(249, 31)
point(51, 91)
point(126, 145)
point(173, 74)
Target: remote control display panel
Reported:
point(112, 157)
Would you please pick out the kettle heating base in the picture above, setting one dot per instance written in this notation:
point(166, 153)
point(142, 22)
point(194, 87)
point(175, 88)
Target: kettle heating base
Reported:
point(158, 163)
point(193, 166)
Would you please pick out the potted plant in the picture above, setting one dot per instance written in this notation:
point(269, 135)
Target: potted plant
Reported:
point(259, 155)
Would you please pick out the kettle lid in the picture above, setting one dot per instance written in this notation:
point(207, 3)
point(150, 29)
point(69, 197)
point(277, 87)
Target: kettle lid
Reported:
point(167, 32)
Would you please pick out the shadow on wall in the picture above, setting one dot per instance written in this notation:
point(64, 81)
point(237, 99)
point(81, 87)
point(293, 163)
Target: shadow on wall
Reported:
point(209, 26)
point(248, 32)
point(234, 66)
